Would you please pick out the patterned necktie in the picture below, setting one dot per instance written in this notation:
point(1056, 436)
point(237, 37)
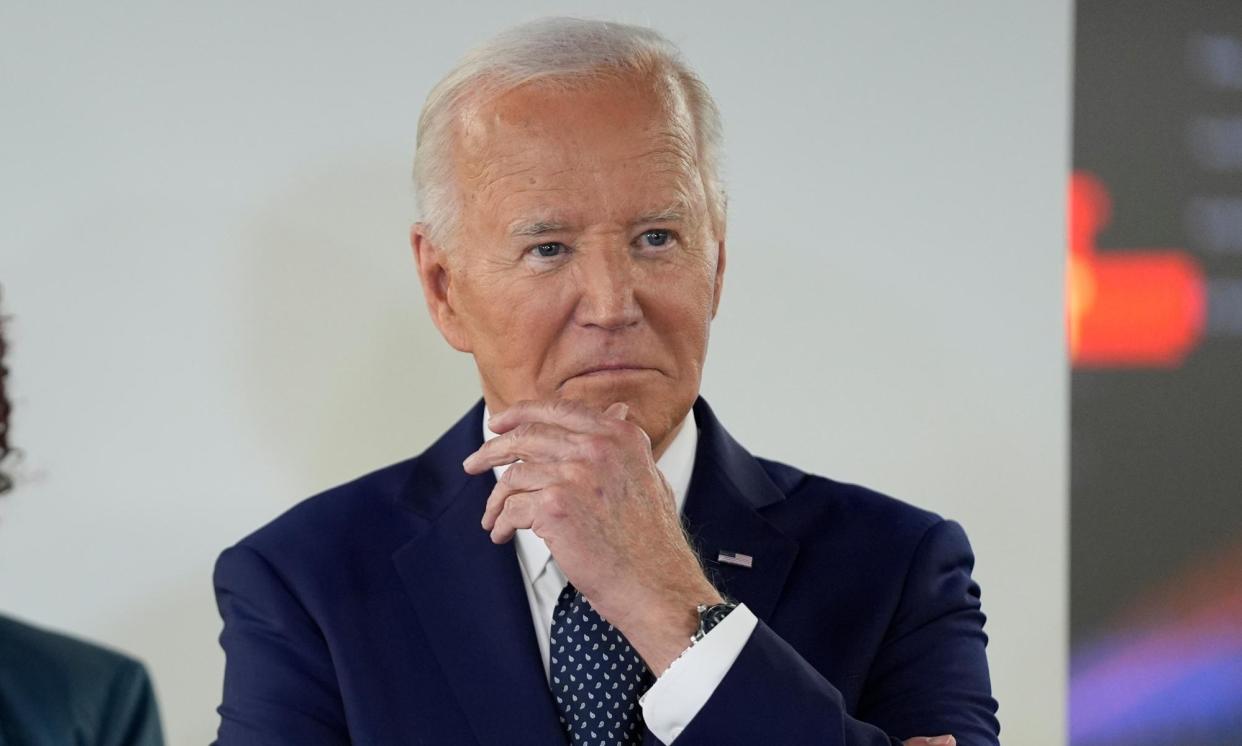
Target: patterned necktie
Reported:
point(597, 677)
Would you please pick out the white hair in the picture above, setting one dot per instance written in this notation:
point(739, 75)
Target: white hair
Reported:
point(565, 52)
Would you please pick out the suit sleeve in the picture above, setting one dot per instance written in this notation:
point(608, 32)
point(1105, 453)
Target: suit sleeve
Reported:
point(929, 676)
point(279, 682)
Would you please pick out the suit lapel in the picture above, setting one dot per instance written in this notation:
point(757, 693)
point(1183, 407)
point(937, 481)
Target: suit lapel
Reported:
point(728, 489)
point(470, 597)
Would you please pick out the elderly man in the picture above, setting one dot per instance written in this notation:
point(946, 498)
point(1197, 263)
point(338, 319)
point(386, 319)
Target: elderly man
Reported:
point(587, 556)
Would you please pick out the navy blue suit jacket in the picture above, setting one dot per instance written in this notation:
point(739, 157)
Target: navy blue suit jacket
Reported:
point(379, 612)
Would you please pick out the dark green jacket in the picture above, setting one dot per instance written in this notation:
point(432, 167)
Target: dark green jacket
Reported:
point(56, 690)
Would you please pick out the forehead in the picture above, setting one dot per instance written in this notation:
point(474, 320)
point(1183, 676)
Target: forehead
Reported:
point(615, 144)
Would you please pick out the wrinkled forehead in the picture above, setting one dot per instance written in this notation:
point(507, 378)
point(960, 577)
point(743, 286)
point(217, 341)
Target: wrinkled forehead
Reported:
point(551, 140)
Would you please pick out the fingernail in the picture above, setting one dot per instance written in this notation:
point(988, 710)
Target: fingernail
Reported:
point(942, 741)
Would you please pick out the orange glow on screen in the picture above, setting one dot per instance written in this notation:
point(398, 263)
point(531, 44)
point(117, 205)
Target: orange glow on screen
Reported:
point(1130, 308)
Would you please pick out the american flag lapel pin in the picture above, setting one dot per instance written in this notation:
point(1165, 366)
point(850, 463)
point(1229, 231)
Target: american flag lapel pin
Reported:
point(735, 558)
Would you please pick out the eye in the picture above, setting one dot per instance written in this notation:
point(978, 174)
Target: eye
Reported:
point(547, 250)
point(657, 237)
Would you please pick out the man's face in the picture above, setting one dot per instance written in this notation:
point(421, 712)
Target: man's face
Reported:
point(585, 242)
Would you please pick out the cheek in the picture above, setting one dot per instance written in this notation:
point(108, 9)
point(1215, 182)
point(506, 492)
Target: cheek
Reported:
point(514, 325)
point(681, 310)
point(687, 290)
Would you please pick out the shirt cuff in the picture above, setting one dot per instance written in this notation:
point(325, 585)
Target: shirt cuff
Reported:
point(686, 685)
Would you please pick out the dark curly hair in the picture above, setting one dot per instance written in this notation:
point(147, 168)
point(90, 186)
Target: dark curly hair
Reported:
point(6, 482)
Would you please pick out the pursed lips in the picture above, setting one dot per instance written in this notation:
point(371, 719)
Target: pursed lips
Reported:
point(611, 369)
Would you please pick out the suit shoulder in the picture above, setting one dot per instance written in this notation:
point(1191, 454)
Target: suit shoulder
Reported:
point(811, 496)
point(57, 670)
point(42, 647)
point(335, 514)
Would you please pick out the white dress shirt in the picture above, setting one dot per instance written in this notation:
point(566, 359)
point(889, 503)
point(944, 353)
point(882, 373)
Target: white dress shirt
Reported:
point(680, 692)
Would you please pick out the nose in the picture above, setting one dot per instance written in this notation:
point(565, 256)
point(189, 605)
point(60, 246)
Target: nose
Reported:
point(607, 279)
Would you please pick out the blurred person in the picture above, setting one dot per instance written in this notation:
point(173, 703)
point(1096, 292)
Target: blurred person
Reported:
point(57, 690)
point(587, 555)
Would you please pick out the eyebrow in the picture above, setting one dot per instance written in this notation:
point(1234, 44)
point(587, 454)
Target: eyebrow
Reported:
point(672, 214)
point(536, 228)
point(528, 229)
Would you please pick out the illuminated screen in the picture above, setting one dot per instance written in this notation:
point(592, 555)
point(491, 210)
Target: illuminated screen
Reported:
point(1155, 331)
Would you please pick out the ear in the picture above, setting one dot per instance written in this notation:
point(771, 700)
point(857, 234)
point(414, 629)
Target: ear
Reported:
point(435, 272)
point(720, 268)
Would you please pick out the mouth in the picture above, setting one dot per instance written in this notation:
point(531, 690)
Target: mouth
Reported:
point(611, 370)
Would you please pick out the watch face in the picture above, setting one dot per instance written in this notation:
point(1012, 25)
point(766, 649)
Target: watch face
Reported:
point(711, 616)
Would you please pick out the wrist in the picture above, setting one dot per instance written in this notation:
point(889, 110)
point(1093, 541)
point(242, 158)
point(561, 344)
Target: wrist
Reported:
point(663, 628)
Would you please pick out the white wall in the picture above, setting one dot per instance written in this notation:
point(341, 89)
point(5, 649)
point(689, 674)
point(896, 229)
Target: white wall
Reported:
point(215, 314)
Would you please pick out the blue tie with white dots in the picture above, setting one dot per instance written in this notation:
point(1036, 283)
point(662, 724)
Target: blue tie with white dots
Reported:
point(597, 677)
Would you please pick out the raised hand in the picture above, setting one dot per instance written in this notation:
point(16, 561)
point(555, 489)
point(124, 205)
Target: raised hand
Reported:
point(586, 483)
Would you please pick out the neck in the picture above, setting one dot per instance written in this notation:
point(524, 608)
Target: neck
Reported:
point(658, 449)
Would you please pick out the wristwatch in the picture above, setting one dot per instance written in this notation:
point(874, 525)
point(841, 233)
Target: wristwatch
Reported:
point(710, 616)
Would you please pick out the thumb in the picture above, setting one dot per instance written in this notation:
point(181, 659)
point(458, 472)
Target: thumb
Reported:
point(617, 409)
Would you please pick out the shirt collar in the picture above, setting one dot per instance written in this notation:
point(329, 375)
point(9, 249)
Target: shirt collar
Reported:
point(677, 465)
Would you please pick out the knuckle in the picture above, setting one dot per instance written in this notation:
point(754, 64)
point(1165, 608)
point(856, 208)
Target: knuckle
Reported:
point(509, 476)
point(515, 508)
point(555, 499)
point(537, 528)
point(578, 472)
point(596, 448)
point(564, 406)
point(554, 506)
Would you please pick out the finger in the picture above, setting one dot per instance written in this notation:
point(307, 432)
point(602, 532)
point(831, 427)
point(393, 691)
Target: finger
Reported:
point(521, 477)
point(568, 413)
point(617, 409)
point(518, 512)
point(535, 441)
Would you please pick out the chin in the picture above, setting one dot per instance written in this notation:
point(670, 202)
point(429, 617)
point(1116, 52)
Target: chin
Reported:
point(652, 398)
point(600, 394)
